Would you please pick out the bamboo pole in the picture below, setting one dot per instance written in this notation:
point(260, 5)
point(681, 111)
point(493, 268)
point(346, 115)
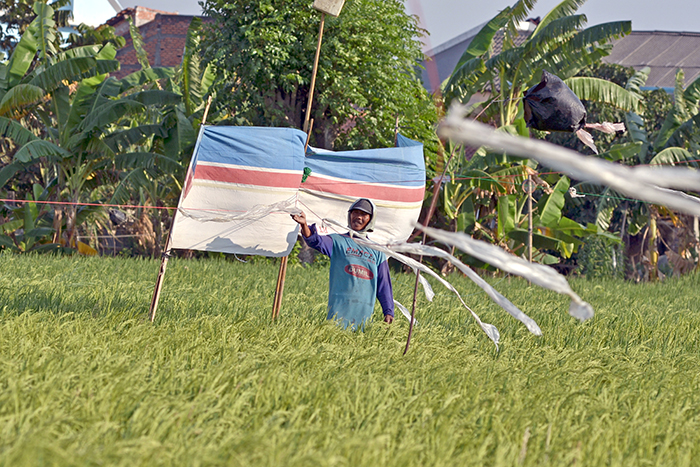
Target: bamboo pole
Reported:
point(166, 253)
point(307, 116)
point(308, 124)
point(529, 217)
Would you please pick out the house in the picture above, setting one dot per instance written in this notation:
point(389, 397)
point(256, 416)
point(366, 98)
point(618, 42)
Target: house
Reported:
point(663, 52)
point(164, 34)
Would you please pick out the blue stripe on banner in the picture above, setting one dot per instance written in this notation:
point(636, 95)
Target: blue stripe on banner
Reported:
point(402, 166)
point(273, 148)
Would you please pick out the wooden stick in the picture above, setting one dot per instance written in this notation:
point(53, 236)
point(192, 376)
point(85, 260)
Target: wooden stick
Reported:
point(314, 70)
point(308, 124)
point(166, 253)
point(529, 217)
point(433, 204)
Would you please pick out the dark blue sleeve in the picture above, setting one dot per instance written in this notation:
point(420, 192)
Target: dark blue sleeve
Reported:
point(385, 294)
point(322, 243)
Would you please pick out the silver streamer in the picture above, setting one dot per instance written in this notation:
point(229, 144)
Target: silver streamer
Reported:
point(641, 183)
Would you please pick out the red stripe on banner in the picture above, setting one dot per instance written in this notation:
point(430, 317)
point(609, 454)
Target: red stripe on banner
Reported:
point(356, 190)
point(247, 176)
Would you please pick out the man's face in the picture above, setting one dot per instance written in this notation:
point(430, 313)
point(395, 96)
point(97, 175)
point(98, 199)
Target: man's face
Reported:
point(358, 220)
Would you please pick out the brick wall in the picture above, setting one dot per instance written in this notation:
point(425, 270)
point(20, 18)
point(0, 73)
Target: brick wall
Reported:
point(164, 35)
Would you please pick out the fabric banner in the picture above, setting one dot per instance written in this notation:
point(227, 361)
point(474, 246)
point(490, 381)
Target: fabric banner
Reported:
point(243, 182)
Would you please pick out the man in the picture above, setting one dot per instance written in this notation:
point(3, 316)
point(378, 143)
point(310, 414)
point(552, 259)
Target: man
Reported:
point(358, 273)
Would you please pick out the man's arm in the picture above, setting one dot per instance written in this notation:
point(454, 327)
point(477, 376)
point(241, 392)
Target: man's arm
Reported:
point(385, 294)
point(318, 242)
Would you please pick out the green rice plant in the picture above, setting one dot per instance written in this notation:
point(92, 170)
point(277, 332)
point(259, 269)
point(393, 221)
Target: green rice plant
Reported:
point(86, 379)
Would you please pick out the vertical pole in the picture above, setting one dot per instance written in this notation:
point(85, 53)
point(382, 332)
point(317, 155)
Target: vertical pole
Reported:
point(529, 218)
point(307, 117)
point(308, 123)
point(166, 253)
point(429, 214)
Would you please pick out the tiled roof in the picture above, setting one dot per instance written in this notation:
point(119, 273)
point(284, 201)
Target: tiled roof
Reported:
point(663, 52)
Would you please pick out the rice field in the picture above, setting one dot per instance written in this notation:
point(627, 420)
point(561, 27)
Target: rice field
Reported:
point(85, 379)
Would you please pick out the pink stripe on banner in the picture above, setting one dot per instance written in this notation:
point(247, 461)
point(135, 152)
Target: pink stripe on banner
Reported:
point(356, 190)
point(247, 176)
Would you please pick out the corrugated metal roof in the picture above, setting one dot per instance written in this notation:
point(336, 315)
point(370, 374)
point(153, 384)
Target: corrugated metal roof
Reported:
point(663, 52)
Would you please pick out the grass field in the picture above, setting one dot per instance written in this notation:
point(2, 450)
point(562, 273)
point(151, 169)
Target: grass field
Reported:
point(85, 379)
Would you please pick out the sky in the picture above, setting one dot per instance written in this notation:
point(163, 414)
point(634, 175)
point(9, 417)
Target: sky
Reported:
point(445, 19)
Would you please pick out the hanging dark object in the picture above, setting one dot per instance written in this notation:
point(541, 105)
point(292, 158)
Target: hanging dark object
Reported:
point(552, 106)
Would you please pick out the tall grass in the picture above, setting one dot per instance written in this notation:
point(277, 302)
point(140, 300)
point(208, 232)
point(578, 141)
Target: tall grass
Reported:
point(85, 379)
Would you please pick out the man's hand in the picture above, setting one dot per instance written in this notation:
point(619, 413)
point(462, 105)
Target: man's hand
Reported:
point(388, 319)
point(301, 220)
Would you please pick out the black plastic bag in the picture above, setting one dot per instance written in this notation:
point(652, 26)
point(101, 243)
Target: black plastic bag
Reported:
point(552, 106)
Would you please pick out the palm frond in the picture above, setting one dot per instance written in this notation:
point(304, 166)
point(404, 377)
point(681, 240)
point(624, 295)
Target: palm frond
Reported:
point(44, 28)
point(13, 130)
point(38, 148)
point(481, 43)
point(9, 171)
point(673, 156)
point(600, 34)
point(637, 80)
point(21, 59)
point(156, 97)
point(692, 96)
point(123, 139)
point(462, 80)
point(141, 77)
point(134, 179)
point(139, 44)
point(76, 52)
point(675, 117)
point(556, 33)
point(685, 134)
point(191, 92)
point(565, 8)
point(20, 96)
point(110, 114)
point(607, 92)
point(70, 70)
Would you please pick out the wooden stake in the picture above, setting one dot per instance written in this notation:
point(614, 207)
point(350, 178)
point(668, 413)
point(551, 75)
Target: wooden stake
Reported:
point(314, 70)
point(529, 217)
point(433, 204)
point(166, 253)
point(308, 124)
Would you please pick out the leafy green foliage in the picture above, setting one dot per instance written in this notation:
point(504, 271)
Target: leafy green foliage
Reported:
point(264, 53)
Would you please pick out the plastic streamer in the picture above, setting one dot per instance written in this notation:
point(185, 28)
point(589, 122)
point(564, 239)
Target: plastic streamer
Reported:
point(405, 312)
point(500, 300)
point(538, 274)
point(642, 183)
point(257, 212)
point(489, 329)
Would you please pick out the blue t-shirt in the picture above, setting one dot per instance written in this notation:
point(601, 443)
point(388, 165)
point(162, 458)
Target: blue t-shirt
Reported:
point(358, 276)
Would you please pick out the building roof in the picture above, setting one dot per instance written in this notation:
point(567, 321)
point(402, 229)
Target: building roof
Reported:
point(663, 52)
point(444, 57)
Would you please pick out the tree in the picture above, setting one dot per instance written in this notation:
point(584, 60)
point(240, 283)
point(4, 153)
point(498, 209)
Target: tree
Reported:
point(668, 139)
point(73, 122)
point(492, 75)
point(263, 50)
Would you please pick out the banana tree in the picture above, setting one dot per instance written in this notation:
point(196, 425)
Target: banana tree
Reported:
point(86, 119)
point(676, 142)
point(558, 45)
